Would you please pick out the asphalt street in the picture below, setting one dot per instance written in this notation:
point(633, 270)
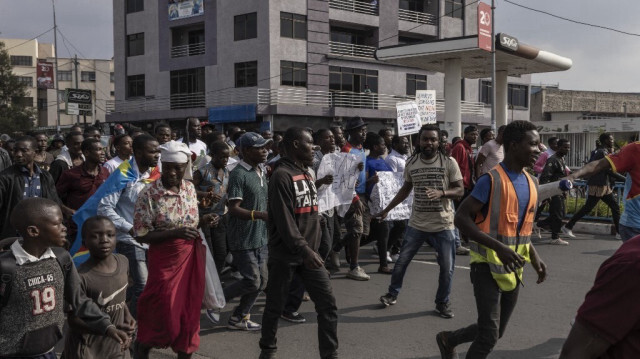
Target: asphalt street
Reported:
point(538, 327)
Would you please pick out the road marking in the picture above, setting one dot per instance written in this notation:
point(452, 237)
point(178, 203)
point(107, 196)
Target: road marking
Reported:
point(435, 264)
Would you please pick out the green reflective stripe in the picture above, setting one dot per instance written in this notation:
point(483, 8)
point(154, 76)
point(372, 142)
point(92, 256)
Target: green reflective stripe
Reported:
point(496, 196)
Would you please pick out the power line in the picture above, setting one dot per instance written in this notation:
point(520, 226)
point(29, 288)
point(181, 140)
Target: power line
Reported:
point(573, 21)
point(33, 38)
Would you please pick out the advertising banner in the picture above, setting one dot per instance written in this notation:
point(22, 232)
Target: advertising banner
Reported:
point(45, 75)
point(179, 9)
point(409, 121)
point(81, 102)
point(484, 26)
point(426, 100)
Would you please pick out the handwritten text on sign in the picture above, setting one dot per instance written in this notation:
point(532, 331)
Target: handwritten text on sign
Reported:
point(426, 100)
point(408, 118)
point(389, 184)
point(344, 169)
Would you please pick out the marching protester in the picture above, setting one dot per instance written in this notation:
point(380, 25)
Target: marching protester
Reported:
point(397, 160)
point(490, 154)
point(122, 144)
point(42, 158)
point(163, 134)
point(70, 156)
point(497, 259)
point(554, 170)
point(294, 239)
point(435, 179)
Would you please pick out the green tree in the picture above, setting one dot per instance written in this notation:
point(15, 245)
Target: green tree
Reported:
point(14, 115)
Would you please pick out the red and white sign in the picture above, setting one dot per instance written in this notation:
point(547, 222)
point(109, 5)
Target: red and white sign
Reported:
point(485, 37)
point(45, 75)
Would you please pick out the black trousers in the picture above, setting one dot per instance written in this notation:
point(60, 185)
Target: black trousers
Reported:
point(494, 311)
point(556, 215)
point(317, 283)
point(591, 203)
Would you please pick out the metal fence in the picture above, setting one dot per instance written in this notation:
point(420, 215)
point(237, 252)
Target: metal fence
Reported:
point(416, 16)
point(354, 6)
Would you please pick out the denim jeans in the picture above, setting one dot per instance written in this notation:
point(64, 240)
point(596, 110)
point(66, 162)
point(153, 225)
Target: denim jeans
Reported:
point(137, 257)
point(317, 283)
point(494, 311)
point(626, 233)
point(444, 244)
point(252, 265)
point(327, 225)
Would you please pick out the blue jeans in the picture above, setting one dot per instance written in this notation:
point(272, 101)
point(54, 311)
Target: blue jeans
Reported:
point(444, 244)
point(252, 265)
point(137, 257)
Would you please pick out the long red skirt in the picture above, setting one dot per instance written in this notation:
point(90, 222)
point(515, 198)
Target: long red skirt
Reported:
point(169, 307)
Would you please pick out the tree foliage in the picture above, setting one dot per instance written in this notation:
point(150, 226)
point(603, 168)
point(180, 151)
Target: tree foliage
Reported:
point(14, 115)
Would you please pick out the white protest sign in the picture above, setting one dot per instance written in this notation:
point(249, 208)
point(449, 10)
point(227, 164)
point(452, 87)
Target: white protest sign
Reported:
point(344, 169)
point(408, 118)
point(426, 100)
point(389, 184)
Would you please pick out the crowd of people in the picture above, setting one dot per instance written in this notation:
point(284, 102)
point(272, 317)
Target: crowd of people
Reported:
point(161, 205)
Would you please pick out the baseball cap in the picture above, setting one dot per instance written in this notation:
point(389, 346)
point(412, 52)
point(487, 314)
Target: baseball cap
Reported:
point(252, 139)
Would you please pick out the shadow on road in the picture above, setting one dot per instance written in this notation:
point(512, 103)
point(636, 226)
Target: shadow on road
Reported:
point(604, 252)
point(547, 350)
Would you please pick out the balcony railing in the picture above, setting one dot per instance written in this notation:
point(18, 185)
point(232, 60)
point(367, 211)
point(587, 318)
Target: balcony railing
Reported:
point(293, 96)
point(354, 6)
point(416, 16)
point(188, 50)
point(345, 49)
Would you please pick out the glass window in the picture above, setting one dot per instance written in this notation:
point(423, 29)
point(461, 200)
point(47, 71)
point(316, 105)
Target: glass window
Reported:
point(112, 77)
point(413, 5)
point(135, 86)
point(353, 80)
point(293, 73)
point(293, 26)
point(88, 76)
point(454, 8)
point(135, 6)
point(42, 103)
point(246, 74)
point(245, 26)
point(65, 76)
point(485, 92)
point(416, 82)
point(21, 60)
point(135, 44)
point(517, 95)
point(187, 81)
point(26, 80)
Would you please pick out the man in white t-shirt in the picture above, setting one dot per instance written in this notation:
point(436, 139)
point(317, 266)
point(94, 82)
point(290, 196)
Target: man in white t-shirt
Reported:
point(193, 132)
point(490, 154)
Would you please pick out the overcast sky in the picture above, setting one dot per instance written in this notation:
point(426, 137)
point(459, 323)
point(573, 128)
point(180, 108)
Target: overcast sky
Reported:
point(602, 60)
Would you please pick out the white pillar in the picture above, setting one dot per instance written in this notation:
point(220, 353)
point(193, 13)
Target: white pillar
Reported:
point(452, 113)
point(501, 98)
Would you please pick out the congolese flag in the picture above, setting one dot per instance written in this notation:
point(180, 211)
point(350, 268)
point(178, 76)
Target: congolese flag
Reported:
point(116, 182)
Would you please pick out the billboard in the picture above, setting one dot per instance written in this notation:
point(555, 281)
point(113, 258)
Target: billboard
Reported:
point(484, 27)
point(79, 102)
point(179, 9)
point(45, 75)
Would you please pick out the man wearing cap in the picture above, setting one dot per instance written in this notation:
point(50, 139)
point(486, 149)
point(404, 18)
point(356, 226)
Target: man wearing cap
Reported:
point(247, 235)
point(357, 219)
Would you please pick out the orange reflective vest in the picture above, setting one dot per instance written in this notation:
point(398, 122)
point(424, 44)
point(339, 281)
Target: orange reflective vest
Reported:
point(501, 223)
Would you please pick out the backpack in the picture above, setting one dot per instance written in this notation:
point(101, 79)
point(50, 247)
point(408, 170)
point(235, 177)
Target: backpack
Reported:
point(8, 271)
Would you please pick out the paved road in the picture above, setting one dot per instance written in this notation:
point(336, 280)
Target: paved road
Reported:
point(407, 330)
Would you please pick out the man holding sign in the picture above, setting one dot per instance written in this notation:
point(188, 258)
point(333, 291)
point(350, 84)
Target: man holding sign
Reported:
point(436, 179)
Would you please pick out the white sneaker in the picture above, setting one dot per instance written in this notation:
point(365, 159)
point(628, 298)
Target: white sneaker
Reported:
point(568, 232)
point(389, 259)
point(618, 236)
point(395, 257)
point(536, 230)
point(358, 273)
point(213, 315)
point(559, 242)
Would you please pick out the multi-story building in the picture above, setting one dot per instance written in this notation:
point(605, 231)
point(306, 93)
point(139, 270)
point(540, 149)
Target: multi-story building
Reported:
point(87, 74)
point(581, 116)
point(277, 63)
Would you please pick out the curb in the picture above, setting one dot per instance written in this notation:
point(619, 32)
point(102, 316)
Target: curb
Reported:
point(594, 228)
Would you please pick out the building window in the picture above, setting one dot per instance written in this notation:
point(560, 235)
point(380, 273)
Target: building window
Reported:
point(454, 8)
point(64, 76)
point(245, 26)
point(112, 93)
point(293, 25)
point(135, 86)
point(26, 80)
point(518, 95)
point(352, 80)
point(188, 81)
point(42, 103)
point(88, 76)
point(246, 74)
point(413, 5)
point(135, 6)
point(293, 73)
point(416, 82)
point(21, 60)
point(135, 44)
point(485, 92)
point(462, 89)
point(112, 77)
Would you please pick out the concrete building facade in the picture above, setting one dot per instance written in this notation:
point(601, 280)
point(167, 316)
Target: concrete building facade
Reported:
point(93, 75)
point(278, 63)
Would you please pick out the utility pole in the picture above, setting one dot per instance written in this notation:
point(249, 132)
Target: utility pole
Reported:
point(75, 63)
point(55, 44)
point(493, 67)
